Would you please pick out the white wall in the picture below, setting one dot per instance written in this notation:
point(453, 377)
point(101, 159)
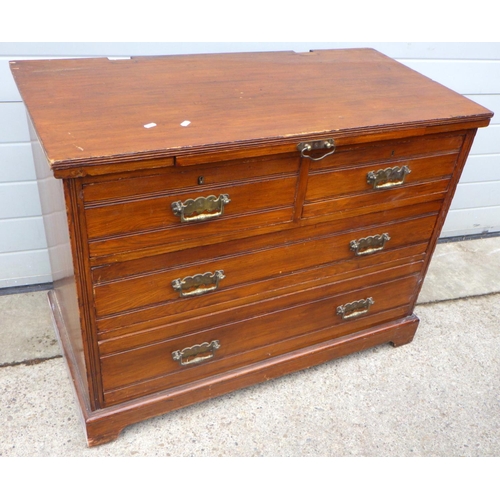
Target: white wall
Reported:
point(472, 69)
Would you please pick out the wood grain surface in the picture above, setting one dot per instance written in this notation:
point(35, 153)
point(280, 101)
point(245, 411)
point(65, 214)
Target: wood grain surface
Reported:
point(94, 111)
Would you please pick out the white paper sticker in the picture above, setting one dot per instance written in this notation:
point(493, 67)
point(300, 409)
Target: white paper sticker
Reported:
point(185, 123)
point(150, 125)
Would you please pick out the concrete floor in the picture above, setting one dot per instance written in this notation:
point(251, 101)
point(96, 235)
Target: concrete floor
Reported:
point(438, 396)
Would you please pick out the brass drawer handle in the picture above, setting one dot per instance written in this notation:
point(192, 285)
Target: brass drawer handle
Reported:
point(196, 354)
point(201, 208)
point(370, 244)
point(199, 283)
point(355, 309)
point(304, 147)
point(388, 177)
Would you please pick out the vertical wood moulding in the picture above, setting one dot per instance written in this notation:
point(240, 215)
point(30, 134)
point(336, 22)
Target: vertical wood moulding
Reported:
point(301, 188)
point(78, 231)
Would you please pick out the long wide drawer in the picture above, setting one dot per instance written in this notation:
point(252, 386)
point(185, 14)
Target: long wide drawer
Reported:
point(201, 354)
point(199, 284)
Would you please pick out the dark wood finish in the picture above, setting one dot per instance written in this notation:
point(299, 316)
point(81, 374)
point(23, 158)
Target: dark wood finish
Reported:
point(283, 241)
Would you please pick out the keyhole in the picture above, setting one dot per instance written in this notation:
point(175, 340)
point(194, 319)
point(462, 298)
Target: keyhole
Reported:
point(201, 180)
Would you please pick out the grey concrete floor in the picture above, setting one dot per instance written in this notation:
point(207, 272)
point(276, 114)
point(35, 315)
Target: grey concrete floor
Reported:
point(438, 396)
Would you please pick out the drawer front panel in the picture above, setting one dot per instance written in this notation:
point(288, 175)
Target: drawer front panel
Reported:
point(386, 151)
point(134, 216)
point(234, 340)
point(341, 182)
point(241, 270)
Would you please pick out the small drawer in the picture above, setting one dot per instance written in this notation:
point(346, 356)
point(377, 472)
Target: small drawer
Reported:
point(198, 285)
point(217, 204)
point(377, 178)
point(200, 203)
point(374, 187)
point(328, 314)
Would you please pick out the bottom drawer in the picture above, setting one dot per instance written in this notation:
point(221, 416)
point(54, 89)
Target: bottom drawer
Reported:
point(177, 361)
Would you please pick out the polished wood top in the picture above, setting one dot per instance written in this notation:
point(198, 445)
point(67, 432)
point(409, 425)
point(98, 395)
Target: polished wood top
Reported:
point(98, 111)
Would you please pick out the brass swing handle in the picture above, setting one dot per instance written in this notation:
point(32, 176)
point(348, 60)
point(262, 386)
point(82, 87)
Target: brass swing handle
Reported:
point(197, 353)
point(388, 177)
point(199, 284)
point(201, 208)
point(355, 309)
point(370, 244)
point(304, 147)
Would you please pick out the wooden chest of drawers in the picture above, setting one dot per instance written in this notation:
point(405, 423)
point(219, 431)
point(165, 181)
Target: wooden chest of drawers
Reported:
point(214, 221)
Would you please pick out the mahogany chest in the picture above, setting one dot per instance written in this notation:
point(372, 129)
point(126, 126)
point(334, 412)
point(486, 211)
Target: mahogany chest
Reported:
point(214, 221)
